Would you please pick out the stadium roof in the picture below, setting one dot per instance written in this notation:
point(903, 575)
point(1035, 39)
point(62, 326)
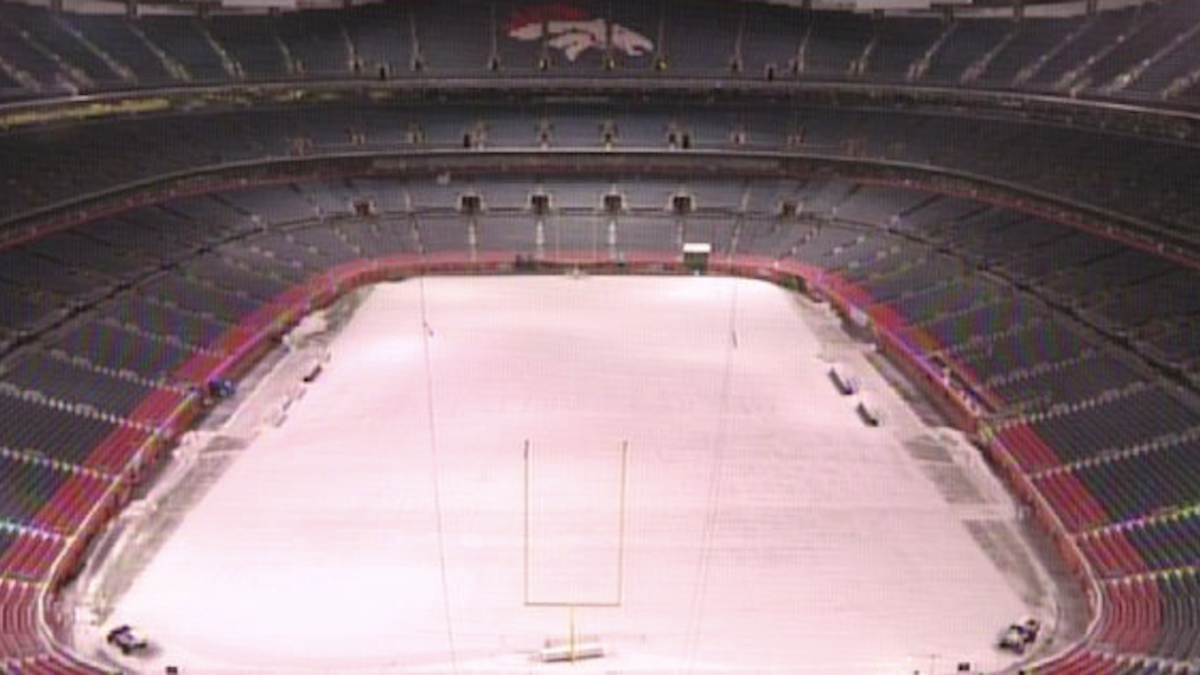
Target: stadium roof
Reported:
point(1054, 6)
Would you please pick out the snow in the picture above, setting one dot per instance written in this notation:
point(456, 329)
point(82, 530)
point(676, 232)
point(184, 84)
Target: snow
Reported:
point(765, 527)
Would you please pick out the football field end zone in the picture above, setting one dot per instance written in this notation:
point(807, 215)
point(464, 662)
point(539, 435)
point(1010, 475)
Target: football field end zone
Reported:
point(259, 332)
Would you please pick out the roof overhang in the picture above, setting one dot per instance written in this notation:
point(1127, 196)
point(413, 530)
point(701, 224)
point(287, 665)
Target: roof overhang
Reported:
point(1034, 7)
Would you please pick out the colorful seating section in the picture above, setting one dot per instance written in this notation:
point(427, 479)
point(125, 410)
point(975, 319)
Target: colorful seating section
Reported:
point(1146, 54)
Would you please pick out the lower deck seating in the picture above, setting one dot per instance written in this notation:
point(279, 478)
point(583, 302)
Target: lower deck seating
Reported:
point(26, 487)
point(1110, 446)
point(49, 429)
point(27, 556)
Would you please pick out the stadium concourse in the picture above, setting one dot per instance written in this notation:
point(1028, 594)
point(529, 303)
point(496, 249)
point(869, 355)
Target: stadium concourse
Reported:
point(999, 196)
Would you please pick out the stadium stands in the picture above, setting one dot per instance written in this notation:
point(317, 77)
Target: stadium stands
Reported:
point(1143, 178)
point(1076, 348)
point(1146, 54)
point(1077, 413)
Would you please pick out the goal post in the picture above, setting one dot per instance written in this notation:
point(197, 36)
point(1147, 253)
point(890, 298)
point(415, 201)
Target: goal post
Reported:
point(574, 646)
point(618, 591)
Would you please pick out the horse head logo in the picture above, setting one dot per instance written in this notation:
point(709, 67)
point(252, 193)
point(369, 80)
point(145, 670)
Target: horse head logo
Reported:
point(571, 30)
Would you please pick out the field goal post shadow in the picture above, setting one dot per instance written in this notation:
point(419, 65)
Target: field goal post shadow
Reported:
point(619, 596)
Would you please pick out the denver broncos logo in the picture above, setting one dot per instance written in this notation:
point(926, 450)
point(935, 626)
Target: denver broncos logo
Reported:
point(573, 31)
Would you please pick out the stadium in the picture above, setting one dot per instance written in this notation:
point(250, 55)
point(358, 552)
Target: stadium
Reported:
point(854, 337)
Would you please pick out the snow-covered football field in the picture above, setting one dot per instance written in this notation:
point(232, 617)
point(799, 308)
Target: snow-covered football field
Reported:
point(392, 523)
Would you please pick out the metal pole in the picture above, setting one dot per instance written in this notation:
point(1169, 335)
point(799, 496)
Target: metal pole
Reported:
point(621, 534)
point(527, 488)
